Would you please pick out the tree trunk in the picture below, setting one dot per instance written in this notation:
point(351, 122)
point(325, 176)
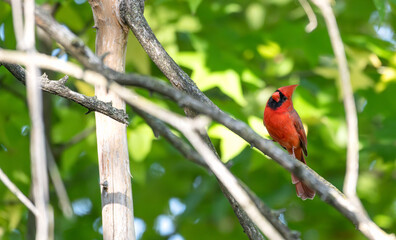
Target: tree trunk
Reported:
point(116, 190)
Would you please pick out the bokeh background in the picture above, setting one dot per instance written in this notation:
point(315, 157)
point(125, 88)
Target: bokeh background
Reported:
point(238, 52)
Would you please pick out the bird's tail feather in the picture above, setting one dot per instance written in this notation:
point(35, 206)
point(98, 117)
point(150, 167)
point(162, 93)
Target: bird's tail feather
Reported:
point(303, 191)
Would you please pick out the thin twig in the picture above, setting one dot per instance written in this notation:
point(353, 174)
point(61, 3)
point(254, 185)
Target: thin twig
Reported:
point(313, 22)
point(17, 21)
point(18, 193)
point(191, 154)
point(74, 140)
point(60, 189)
point(44, 229)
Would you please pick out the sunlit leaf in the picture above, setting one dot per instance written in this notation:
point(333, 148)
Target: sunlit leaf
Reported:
point(139, 142)
point(231, 144)
point(194, 4)
point(258, 126)
point(383, 220)
point(249, 77)
point(229, 83)
point(85, 88)
point(269, 50)
point(255, 15)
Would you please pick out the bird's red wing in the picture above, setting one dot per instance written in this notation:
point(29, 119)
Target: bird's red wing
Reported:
point(301, 132)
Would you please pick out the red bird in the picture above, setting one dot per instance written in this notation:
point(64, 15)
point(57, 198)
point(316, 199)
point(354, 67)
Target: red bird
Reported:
point(285, 127)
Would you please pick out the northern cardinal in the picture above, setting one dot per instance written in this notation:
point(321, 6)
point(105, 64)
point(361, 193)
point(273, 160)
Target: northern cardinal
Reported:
point(285, 127)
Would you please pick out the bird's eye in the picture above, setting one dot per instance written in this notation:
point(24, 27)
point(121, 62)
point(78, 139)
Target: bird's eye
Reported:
point(284, 98)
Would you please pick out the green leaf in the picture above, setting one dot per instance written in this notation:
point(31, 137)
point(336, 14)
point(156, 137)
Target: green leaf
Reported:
point(249, 77)
point(231, 144)
point(194, 4)
point(227, 81)
point(255, 15)
point(139, 142)
point(258, 126)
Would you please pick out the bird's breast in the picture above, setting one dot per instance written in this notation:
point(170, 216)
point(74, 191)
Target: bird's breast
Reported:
point(280, 127)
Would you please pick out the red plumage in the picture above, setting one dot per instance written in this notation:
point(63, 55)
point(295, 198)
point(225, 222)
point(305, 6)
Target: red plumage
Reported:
point(285, 127)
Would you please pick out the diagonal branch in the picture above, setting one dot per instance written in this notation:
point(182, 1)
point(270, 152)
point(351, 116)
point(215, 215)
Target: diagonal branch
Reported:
point(18, 193)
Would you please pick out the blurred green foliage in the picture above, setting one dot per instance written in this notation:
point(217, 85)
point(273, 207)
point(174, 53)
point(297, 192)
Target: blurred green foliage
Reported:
point(238, 52)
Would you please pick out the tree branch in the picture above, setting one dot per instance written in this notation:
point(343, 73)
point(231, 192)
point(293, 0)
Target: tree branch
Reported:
point(18, 193)
point(59, 88)
point(352, 171)
point(60, 189)
point(26, 41)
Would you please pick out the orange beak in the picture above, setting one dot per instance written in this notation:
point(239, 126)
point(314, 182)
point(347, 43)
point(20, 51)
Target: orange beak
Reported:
point(288, 90)
point(276, 96)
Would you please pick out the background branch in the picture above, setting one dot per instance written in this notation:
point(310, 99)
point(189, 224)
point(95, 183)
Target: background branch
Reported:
point(44, 221)
point(352, 171)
